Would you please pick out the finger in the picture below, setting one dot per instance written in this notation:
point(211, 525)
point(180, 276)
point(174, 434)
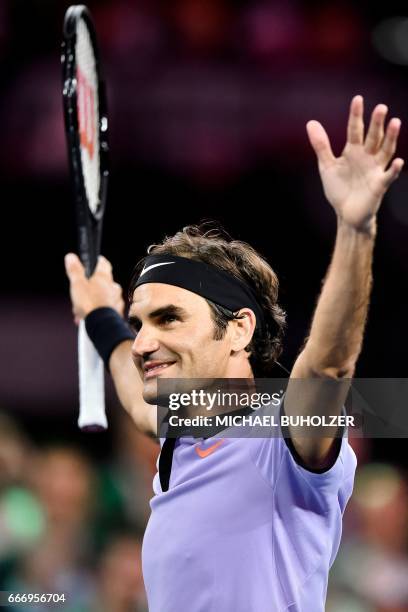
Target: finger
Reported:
point(320, 142)
point(375, 132)
point(355, 126)
point(104, 267)
point(393, 171)
point(73, 267)
point(389, 145)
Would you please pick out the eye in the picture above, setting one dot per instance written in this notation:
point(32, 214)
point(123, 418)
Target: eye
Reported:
point(167, 319)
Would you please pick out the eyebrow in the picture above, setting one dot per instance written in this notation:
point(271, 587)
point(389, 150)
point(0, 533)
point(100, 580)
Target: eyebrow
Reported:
point(169, 309)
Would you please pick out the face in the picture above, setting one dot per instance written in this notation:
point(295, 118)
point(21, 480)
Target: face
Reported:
point(175, 337)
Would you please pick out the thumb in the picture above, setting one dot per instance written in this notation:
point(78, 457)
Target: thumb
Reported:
point(73, 267)
point(320, 142)
point(104, 266)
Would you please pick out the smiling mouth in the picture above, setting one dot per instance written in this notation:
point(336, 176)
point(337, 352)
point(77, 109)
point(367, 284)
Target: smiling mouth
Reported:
point(155, 370)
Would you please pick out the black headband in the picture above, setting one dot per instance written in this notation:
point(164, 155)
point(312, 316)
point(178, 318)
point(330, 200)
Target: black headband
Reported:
point(201, 278)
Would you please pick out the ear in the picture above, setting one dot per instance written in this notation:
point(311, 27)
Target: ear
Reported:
point(242, 329)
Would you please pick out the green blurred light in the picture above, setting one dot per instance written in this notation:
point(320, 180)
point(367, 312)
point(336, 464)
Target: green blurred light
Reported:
point(22, 514)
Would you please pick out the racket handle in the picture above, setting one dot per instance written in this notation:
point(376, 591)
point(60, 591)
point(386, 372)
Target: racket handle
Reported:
point(91, 384)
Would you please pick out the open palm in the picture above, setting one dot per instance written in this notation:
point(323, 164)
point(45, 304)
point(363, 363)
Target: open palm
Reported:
point(356, 182)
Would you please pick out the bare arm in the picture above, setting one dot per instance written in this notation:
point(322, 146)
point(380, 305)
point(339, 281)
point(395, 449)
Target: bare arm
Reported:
point(98, 291)
point(129, 389)
point(337, 329)
point(354, 184)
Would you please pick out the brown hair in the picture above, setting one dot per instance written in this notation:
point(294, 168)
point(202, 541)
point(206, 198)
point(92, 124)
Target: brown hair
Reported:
point(215, 247)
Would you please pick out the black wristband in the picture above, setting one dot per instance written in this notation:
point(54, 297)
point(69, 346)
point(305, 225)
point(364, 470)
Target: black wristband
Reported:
point(106, 329)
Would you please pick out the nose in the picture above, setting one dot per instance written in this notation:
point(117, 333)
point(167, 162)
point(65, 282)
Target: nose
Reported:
point(145, 342)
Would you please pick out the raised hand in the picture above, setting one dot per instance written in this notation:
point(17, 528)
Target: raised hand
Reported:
point(356, 182)
point(94, 292)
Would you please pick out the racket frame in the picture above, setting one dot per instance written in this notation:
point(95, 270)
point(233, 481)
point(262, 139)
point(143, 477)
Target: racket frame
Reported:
point(89, 223)
point(92, 416)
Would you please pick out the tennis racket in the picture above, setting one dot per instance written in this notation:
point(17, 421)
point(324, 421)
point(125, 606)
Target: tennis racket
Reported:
point(86, 128)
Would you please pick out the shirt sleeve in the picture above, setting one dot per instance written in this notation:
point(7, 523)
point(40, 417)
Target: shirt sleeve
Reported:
point(306, 510)
point(277, 459)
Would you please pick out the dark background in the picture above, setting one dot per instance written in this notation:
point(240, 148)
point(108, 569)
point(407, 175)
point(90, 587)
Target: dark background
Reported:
point(208, 104)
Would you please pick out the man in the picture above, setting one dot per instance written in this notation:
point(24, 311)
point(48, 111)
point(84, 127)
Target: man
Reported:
point(248, 525)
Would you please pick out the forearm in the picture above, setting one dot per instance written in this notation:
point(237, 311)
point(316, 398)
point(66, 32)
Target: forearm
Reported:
point(334, 343)
point(113, 340)
point(338, 324)
point(124, 375)
point(129, 388)
point(354, 185)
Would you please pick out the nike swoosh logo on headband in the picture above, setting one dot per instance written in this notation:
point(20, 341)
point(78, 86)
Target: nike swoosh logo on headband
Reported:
point(163, 263)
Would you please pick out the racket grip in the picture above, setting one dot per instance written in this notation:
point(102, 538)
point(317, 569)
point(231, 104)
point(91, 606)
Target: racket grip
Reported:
point(91, 384)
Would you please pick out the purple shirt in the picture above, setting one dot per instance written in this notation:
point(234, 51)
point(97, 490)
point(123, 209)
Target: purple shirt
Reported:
point(244, 528)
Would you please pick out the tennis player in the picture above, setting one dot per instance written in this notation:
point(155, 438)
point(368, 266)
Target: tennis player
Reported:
point(239, 524)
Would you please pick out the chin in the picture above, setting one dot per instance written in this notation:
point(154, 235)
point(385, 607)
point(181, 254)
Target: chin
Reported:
point(150, 392)
point(156, 394)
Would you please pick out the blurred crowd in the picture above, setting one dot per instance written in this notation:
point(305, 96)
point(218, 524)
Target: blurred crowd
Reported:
point(73, 525)
point(370, 572)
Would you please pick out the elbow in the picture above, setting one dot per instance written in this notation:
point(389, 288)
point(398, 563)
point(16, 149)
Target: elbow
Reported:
point(329, 366)
point(337, 371)
point(336, 374)
point(313, 363)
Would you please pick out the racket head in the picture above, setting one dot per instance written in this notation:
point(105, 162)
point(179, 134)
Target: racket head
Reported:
point(86, 127)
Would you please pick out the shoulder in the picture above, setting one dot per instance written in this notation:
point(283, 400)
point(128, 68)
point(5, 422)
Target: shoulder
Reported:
point(280, 466)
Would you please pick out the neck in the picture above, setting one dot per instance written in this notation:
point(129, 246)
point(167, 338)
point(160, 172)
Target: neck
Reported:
point(225, 395)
